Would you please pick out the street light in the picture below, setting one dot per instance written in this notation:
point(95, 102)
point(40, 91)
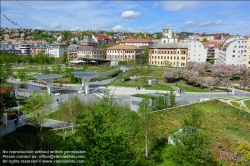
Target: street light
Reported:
point(246, 87)
point(18, 108)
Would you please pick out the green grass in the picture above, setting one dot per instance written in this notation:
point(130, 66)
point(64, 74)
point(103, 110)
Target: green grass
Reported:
point(225, 124)
point(247, 103)
point(193, 89)
point(236, 104)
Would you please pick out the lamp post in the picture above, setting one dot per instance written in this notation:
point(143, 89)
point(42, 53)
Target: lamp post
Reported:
point(18, 108)
point(246, 87)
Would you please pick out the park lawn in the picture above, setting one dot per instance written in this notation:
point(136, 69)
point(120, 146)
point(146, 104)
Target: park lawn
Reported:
point(236, 104)
point(247, 103)
point(193, 89)
point(219, 121)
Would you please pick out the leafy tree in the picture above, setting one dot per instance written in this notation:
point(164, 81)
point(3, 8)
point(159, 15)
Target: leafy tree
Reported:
point(5, 72)
point(148, 121)
point(191, 144)
point(21, 74)
point(64, 57)
point(104, 133)
point(212, 61)
point(144, 57)
point(205, 40)
point(172, 99)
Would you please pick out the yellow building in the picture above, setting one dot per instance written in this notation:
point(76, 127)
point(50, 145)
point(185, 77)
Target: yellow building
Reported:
point(173, 54)
point(248, 54)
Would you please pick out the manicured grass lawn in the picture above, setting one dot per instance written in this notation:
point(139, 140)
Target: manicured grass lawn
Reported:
point(247, 103)
point(218, 119)
point(236, 104)
point(193, 89)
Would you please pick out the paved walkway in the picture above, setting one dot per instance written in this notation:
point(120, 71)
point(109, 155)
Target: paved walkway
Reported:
point(11, 126)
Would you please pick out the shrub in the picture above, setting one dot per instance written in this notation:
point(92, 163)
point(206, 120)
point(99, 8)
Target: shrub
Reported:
point(126, 79)
point(114, 74)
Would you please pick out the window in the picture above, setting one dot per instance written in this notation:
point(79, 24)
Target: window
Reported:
point(233, 50)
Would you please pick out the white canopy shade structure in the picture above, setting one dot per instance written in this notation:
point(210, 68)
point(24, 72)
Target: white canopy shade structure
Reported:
point(85, 76)
point(47, 78)
point(77, 61)
point(93, 61)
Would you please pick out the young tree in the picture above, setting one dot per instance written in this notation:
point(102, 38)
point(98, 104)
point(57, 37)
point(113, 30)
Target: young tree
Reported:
point(191, 144)
point(172, 99)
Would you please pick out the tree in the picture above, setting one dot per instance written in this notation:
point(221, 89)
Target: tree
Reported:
point(205, 40)
point(105, 133)
point(148, 121)
point(64, 57)
point(191, 144)
point(21, 74)
point(144, 57)
point(172, 99)
point(38, 106)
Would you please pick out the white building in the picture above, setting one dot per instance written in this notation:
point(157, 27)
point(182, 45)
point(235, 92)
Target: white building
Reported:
point(25, 49)
point(167, 36)
point(137, 42)
point(7, 46)
point(196, 51)
point(56, 50)
point(234, 52)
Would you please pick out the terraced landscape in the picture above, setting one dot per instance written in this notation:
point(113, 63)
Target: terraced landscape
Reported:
point(240, 102)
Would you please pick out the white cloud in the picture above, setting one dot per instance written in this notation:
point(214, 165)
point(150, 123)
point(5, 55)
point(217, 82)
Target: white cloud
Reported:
point(76, 29)
point(188, 23)
point(38, 27)
point(180, 5)
point(55, 25)
point(209, 23)
point(117, 28)
point(155, 5)
point(130, 14)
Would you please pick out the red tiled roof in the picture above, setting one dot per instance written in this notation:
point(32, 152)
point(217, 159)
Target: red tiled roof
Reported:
point(101, 37)
point(136, 41)
point(3, 90)
point(209, 75)
point(124, 47)
point(216, 44)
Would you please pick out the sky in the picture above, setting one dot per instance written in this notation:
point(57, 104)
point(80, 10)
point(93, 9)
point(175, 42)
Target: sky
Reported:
point(132, 16)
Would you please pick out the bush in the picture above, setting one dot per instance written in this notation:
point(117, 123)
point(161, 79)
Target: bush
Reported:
point(126, 79)
point(114, 74)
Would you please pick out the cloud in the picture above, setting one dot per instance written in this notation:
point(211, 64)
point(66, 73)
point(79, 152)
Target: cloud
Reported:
point(180, 5)
point(76, 29)
point(155, 5)
point(38, 27)
point(227, 12)
point(189, 23)
point(117, 28)
point(209, 23)
point(145, 25)
point(55, 25)
point(130, 14)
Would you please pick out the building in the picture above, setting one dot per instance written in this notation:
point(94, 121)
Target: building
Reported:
point(89, 52)
point(39, 47)
point(196, 51)
point(212, 50)
point(137, 42)
point(123, 52)
point(163, 54)
point(233, 52)
point(56, 50)
point(25, 49)
point(167, 36)
point(103, 39)
point(88, 42)
point(72, 50)
point(248, 54)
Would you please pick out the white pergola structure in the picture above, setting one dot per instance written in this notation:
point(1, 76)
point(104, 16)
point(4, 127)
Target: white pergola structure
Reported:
point(48, 79)
point(85, 76)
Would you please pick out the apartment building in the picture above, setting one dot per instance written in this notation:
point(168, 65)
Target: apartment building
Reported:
point(248, 54)
point(196, 51)
point(72, 50)
point(174, 54)
point(123, 52)
point(234, 51)
point(89, 52)
point(39, 47)
point(137, 42)
point(56, 50)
